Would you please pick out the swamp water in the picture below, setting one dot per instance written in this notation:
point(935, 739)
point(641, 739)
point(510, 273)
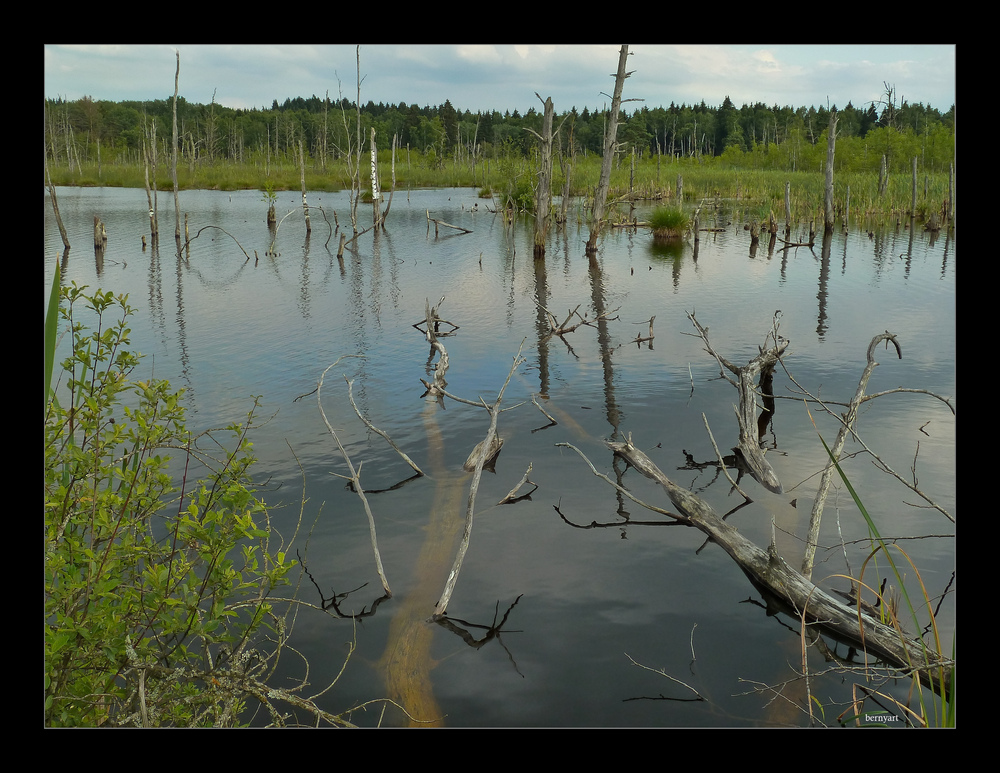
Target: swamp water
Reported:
point(602, 586)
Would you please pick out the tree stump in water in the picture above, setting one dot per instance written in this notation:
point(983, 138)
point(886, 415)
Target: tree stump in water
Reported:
point(100, 235)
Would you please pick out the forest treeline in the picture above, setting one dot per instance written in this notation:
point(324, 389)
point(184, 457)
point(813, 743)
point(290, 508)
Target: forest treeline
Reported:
point(88, 131)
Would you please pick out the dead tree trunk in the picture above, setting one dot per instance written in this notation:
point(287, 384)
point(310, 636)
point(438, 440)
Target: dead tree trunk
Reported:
point(610, 143)
point(173, 166)
point(392, 189)
point(55, 204)
point(543, 193)
point(481, 457)
point(149, 170)
point(100, 236)
point(376, 194)
point(831, 143)
point(302, 182)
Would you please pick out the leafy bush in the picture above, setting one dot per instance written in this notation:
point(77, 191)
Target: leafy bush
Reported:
point(154, 596)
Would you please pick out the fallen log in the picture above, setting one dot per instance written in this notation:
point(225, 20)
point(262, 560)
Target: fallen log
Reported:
point(774, 577)
point(446, 225)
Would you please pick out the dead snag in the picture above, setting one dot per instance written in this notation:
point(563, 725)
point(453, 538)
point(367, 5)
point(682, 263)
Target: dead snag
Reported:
point(639, 340)
point(100, 236)
point(779, 582)
point(757, 370)
point(610, 146)
point(543, 192)
point(513, 496)
point(557, 329)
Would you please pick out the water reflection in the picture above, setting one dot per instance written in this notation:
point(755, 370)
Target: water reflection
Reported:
point(226, 328)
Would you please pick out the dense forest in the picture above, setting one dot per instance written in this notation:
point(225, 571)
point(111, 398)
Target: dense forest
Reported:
point(88, 131)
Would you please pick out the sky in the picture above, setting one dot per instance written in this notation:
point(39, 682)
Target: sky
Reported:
point(479, 77)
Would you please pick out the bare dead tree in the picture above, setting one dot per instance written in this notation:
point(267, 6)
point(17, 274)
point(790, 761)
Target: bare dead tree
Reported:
point(543, 190)
point(610, 146)
point(55, 203)
point(173, 165)
point(831, 144)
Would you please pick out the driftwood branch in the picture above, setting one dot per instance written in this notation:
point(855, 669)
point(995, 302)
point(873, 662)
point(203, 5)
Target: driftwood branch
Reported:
point(512, 495)
point(640, 339)
point(838, 446)
point(779, 582)
point(373, 428)
point(560, 329)
point(488, 449)
point(188, 242)
point(442, 223)
point(433, 324)
point(355, 479)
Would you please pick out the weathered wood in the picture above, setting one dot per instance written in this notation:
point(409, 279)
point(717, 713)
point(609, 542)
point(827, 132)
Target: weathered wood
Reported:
point(780, 582)
point(831, 144)
point(376, 193)
point(610, 144)
point(846, 428)
point(543, 193)
point(746, 412)
point(100, 235)
point(302, 183)
point(489, 446)
point(55, 203)
point(173, 164)
point(442, 223)
point(355, 480)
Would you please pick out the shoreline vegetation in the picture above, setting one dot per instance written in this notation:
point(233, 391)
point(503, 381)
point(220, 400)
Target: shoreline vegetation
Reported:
point(762, 190)
point(893, 161)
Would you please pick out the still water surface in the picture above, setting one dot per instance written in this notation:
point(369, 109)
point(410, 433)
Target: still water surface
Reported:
point(598, 585)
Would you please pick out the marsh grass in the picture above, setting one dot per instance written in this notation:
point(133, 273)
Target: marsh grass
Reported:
point(668, 223)
point(939, 708)
point(652, 179)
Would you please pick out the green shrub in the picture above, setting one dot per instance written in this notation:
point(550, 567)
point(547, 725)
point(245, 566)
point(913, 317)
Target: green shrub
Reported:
point(154, 597)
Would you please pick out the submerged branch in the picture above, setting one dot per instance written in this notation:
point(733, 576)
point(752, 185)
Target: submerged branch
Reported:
point(376, 430)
